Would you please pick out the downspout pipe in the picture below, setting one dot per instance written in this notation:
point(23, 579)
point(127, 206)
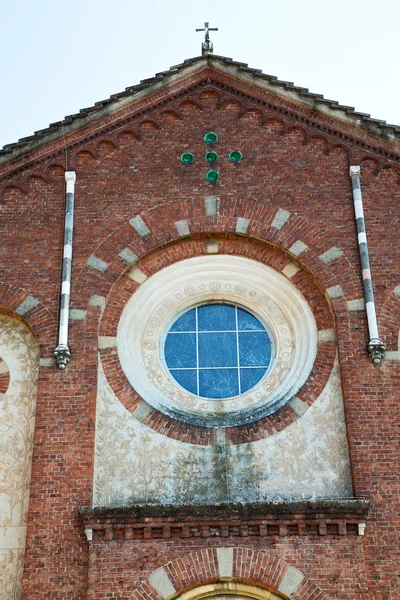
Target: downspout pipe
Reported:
point(62, 353)
point(376, 349)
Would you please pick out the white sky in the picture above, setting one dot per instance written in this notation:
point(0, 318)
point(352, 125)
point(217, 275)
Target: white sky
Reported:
point(58, 57)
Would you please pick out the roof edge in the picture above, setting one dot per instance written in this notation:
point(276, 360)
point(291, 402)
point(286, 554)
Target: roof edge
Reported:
point(361, 122)
point(88, 116)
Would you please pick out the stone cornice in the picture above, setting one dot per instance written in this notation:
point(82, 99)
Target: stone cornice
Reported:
point(257, 519)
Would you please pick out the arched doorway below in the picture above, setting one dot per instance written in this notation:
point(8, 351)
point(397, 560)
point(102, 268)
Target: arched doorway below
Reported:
point(229, 590)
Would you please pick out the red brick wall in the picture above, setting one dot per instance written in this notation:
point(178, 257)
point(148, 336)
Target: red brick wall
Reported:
point(339, 574)
point(278, 170)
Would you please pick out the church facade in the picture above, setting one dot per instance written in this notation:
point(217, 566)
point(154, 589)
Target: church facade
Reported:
point(199, 346)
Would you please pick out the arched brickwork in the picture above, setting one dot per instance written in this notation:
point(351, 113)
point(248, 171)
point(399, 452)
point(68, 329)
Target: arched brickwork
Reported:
point(238, 564)
point(160, 228)
point(181, 229)
point(24, 306)
point(389, 324)
point(269, 255)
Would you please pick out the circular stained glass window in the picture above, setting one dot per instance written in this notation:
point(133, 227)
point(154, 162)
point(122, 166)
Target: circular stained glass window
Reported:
point(217, 350)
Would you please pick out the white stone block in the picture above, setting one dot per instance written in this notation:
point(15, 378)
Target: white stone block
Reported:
point(242, 225)
point(182, 227)
point(291, 581)
point(139, 226)
point(331, 255)
point(212, 246)
point(326, 335)
point(225, 561)
point(107, 341)
point(97, 264)
point(358, 304)
point(137, 275)
point(280, 218)
point(162, 583)
point(298, 247)
point(335, 291)
point(290, 270)
point(128, 256)
point(211, 205)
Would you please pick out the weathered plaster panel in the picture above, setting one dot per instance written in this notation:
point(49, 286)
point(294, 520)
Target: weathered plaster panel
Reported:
point(19, 351)
point(309, 459)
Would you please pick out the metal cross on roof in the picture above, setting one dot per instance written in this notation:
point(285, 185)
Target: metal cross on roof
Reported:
point(207, 29)
point(207, 45)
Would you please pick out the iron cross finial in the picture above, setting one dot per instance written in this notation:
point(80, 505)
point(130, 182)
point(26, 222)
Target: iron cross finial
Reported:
point(206, 28)
point(207, 46)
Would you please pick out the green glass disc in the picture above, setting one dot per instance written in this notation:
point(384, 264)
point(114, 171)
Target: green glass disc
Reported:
point(187, 158)
point(212, 176)
point(235, 156)
point(211, 137)
point(211, 156)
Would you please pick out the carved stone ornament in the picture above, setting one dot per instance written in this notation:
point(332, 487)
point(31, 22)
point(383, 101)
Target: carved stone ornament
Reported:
point(236, 280)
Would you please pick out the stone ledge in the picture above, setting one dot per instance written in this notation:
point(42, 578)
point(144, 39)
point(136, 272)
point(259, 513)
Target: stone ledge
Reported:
point(256, 519)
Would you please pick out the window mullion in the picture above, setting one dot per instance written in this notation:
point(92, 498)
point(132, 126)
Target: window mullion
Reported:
point(197, 354)
point(237, 350)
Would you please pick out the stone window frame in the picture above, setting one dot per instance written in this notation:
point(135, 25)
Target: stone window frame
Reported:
point(235, 280)
point(237, 590)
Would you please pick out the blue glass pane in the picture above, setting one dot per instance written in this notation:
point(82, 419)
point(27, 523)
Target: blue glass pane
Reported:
point(247, 322)
point(254, 349)
point(218, 383)
point(187, 379)
point(216, 317)
point(186, 322)
point(209, 358)
point(249, 378)
point(217, 349)
point(180, 350)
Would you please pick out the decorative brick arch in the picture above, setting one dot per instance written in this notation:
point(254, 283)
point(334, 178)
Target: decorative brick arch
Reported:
point(209, 215)
point(249, 248)
point(228, 564)
point(157, 230)
point(19, 303)
point(389, 324)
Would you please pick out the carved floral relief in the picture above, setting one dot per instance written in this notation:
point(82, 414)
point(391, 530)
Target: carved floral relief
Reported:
point(134, 464)
point(308, 459)
point(19, 351)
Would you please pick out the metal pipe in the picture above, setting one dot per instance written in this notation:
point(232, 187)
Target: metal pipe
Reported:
point(376, 349)
point(62, 353)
